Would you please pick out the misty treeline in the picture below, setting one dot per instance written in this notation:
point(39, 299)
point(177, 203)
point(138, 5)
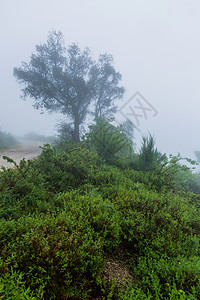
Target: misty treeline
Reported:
point(34, 136)
point(69, 81)
point(7, 140)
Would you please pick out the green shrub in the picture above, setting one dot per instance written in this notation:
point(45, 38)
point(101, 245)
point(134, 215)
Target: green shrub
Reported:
point(59, 170)
point(101, 215)
point(155, 220)
point(169, 278)
point(13, 286)
point(107, 180)
point(19, 194)
point(109, 140)
point(64, 213)
point(188, 181)
point(148, 157)
point(55, 252)
point(9, 205)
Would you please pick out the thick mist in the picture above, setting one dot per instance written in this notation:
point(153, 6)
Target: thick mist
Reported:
point(156, 49)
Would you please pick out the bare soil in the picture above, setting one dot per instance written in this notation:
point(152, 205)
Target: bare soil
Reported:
point(26, 149)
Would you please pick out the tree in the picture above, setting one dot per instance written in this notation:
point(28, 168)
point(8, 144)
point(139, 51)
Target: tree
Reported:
point(106, 81)
point(128, 127)
point(65, 80)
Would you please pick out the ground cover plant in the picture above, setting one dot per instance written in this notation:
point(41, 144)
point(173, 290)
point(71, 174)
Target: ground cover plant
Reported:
point(76, 224)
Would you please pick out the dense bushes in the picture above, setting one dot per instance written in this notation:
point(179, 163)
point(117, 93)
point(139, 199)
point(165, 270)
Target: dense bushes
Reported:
point(55, 253)
point(63, 216)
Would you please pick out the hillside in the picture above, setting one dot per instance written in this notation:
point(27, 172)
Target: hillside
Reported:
point(76, 225)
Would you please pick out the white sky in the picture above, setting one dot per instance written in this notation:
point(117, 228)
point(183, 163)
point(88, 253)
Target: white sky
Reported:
point(155, 45)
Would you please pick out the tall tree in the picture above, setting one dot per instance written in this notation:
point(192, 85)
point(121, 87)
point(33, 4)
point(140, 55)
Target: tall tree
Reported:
point(64, 80)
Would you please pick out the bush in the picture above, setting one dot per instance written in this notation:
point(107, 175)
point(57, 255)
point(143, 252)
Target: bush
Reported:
point(64, 215)
point(60, 171)
point(165, 278)
point(101, 215)
point(188, 181)
point(156, 220)
point(107, 180)
point(13, 286)
point(55, 253)
point(149, 157)
point(109, 140)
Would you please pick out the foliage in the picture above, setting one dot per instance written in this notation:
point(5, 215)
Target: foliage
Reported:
point(13, 286)
point(128, 127)
point(108, 140)
point(149, 157)
point(54, 252)
point(106, 89)
point(60, 170)
point(159, 171)
point(188, 181)
point(65, 214)
point(65, 133)
point(69, 81)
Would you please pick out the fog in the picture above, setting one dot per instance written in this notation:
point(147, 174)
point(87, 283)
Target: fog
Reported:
point(155, 45)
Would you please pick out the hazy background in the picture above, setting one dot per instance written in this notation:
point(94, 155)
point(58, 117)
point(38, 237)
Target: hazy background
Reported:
point(155, 44)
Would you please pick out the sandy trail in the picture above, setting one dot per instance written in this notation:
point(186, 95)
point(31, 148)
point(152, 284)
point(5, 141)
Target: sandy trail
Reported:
point(26, 149)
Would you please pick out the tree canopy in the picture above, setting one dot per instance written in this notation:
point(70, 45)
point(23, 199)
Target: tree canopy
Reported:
point(70, 81)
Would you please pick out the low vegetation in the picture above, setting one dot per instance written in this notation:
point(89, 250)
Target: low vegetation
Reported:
point(87, 222)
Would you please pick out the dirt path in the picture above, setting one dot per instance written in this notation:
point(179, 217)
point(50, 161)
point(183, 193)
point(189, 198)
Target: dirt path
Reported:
point(26, 149)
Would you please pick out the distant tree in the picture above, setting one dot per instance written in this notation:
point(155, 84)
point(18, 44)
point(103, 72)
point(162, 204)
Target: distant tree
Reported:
point(68, 80)
point(128, 127)
point(7, 140)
